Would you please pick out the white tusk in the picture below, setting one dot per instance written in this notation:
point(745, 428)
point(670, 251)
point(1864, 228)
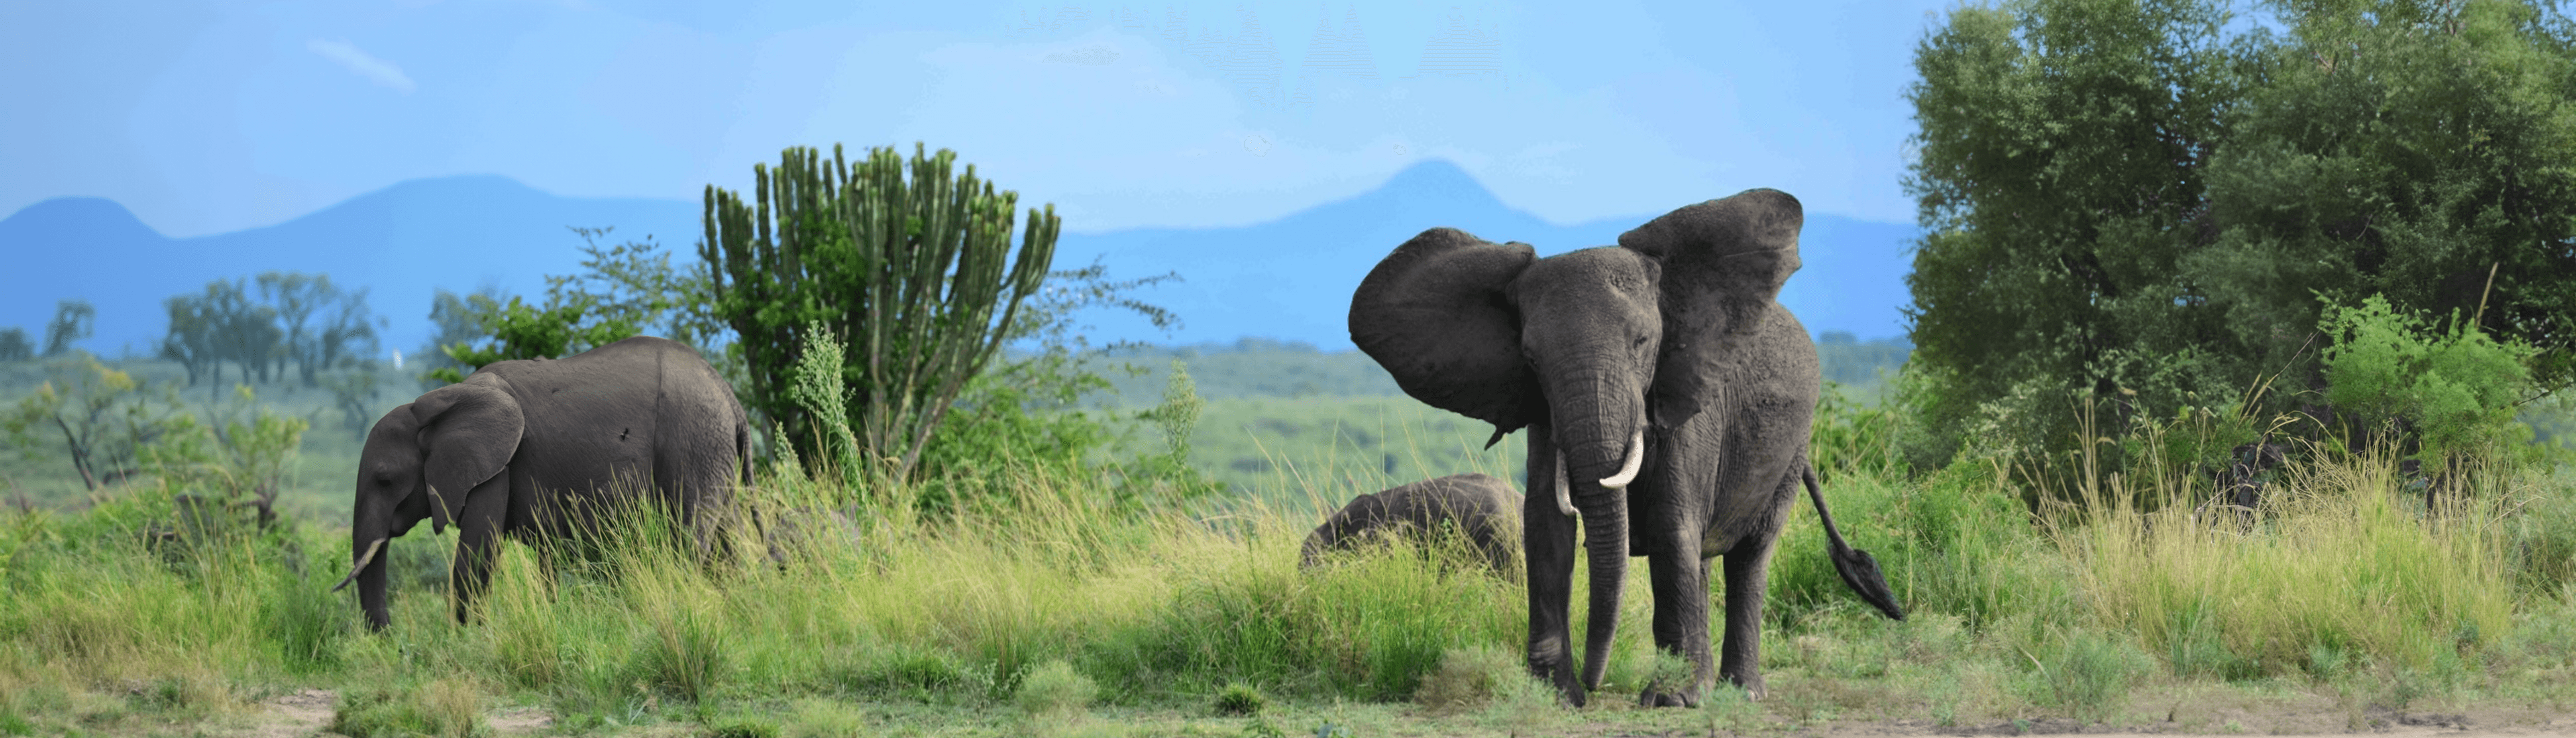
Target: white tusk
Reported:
point(1564, 495)
point(363, 560)
point(1636, 458)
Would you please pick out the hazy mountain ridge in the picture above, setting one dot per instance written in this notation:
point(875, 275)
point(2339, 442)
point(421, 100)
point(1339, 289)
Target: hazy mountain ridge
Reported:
point(1288, 279)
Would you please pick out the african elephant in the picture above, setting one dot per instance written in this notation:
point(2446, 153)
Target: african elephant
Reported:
point(1659, 375)
point(1482, 507)
point(528, 448)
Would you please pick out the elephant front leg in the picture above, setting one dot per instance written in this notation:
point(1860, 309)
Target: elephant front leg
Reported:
point(1680, 580)
point(478, 542)
point(1547, 535)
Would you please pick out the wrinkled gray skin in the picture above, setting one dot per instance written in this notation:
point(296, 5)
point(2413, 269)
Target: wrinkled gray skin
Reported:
point(1481, 507)
point(1666, 355)
point(525, 448)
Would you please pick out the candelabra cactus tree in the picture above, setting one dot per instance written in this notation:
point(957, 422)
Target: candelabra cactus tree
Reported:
point(917, 277)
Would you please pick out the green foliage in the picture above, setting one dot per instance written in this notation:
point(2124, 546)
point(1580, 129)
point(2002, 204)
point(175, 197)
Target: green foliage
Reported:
point(14, 345)
point(298, 320)
point(102, 419)
point(73, 320)
point(2086, 673)
point(230, 459)
point(522, 331)
point(2456, 389)
point(1239, 700)
point(2143, 200)
point(622, 291)
point(1848, 437)
point(917, 276)
point(1054, 689)
point(447, 708)
point(324, 328)
point(742, 727)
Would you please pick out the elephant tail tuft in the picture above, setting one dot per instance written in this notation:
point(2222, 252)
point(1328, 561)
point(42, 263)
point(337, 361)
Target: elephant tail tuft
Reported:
point(1859, 571)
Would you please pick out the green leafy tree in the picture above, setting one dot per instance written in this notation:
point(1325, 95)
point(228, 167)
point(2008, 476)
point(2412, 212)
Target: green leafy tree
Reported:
point(2455, 388)
point(237, 460)
point(522, 331)
point(14, 345)
point(623, 291)
point(2140, 201)
point(917, 275)
point(324, 327)
point(458, 319)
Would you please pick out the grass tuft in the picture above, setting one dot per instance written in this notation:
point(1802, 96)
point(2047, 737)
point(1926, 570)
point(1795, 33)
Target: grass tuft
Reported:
point(1239, 699)
point(446, 708)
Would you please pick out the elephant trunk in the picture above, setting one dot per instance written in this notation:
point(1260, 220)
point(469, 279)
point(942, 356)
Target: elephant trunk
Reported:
point(367, 539)
point(1605, 532)
point(1605, 444)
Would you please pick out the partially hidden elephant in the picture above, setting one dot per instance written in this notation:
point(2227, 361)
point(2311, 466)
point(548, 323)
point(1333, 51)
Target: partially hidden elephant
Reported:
point(1482, 508)
point(1668, 397)
point(532, 448)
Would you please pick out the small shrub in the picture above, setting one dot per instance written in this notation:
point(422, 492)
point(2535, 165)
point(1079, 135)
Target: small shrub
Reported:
point(742, 727)
point(1669, 673)
point(1466, 678)
point(2089, 674)
point(1522, 705)
point(686, 649)
point(448, 708)
point(1240, 699)
point(1055, 689)
point(910, 672)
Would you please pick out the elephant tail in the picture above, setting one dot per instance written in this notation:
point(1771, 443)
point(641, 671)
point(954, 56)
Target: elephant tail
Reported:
point(1858, 570)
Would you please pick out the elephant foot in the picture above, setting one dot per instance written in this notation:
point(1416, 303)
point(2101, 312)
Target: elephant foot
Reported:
point(1653, 697)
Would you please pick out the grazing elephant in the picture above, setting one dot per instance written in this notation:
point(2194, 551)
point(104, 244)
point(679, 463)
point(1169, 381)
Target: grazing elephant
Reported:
point(1658, 376)
point(1482, 507)
point(529, 448)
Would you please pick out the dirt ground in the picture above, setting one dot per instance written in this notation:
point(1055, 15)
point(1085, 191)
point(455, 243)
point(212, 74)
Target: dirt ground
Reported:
point(304, 714)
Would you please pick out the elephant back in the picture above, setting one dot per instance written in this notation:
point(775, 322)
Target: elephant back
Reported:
point(1436, 314)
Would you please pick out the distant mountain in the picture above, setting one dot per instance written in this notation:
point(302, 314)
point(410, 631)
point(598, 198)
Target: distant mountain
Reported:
point(1292, 278)
point(401, 242)
point(1288, 279)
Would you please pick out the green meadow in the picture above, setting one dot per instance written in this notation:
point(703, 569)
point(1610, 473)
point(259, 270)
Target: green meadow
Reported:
point(2341, 604)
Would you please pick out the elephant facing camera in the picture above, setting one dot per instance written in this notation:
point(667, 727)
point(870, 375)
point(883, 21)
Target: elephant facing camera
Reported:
point(1668, 397)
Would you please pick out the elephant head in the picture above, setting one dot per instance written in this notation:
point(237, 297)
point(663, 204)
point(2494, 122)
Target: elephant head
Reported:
point(1590, 349)
point(420, 461)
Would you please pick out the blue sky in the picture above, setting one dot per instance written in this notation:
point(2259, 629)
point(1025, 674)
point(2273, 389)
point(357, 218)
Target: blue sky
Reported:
point(206, 117)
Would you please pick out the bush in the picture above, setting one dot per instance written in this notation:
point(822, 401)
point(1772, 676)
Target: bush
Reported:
point(742, 727)
point(1054, 689)
point(447, 708)
point(1240, 699)
point(1467, 678)
point(2456, 389)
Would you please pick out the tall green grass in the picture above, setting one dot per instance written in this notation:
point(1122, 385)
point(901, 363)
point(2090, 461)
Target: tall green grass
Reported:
point(2337, 581)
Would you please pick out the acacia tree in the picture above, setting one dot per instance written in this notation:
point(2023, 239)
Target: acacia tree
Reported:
point(2127, 199)
point(73, 320)
point(916, 276)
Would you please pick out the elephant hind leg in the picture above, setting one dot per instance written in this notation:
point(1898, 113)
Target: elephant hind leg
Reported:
point(1747, 576)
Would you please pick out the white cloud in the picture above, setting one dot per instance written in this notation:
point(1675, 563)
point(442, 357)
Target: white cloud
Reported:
point(375, 70)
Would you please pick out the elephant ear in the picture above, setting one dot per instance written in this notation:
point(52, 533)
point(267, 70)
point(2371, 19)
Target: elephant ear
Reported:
point(1724, 260)
point(1437, 315)
point(469, 430)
